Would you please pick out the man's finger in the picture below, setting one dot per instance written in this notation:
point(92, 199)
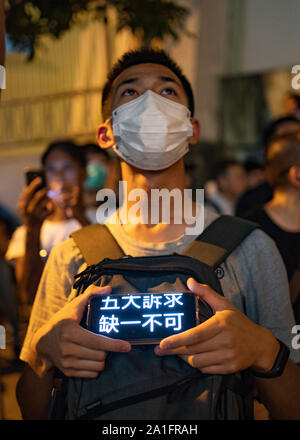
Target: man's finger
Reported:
point(205, 361)
point(82, 300)
point(30, 189)
point(97, 342)
point(83, 364)
point(85, 374)
point(203, 332)
point(39, 199)
point(75, 350)
point(217, 302)
point(202, 347)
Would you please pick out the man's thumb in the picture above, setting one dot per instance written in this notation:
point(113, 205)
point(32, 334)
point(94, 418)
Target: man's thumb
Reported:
point(211, 297)
point(82, 300)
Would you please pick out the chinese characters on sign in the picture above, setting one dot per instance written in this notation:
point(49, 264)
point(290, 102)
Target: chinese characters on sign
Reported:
point(155, 311)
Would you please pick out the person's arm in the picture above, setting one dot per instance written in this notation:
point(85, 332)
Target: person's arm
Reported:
point(282, 395)
point(34, 207)
point(229, 342)
point(63, 343)
point(34, 393)
point(29, 268)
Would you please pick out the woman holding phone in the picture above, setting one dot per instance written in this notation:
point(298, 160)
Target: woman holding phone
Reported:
point(52, 208)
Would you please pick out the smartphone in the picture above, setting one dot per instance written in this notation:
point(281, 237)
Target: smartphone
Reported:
point(33, 173)
point(141, 318)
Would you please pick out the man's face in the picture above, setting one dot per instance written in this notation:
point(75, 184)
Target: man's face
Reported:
point(136, 80)
point(132, 83)
point(234, 181)
point(62, 171)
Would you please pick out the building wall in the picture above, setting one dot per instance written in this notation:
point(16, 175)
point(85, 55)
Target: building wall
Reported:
point(271, 36)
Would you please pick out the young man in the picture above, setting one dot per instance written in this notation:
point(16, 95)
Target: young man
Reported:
point(231, 183)
point(149, 83)
point(50, 213)
point(256, 197)
point(280, 217)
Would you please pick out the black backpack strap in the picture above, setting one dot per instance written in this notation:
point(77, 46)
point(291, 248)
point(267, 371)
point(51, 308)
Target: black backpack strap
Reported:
point(95, 242)
point(219, 239)
point(212, 247)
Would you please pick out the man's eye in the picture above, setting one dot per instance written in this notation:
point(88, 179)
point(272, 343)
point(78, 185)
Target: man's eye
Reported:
point(49, 169)
point(68, 167)
point(128, 92)
point(168, 91)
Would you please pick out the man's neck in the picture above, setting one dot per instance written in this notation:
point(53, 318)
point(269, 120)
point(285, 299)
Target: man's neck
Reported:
point(284, 209)
point(170, 179)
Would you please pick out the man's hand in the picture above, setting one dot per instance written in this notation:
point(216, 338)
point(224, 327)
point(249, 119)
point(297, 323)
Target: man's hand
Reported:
point(63, 343)
point(226, 343)
point(34, 205)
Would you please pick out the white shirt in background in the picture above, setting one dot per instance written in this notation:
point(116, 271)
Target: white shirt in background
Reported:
point(52, 233)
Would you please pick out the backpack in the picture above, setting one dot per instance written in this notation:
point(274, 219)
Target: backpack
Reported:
point(139, 384)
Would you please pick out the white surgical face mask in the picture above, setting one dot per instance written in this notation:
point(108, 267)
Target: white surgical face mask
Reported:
point(151, 132)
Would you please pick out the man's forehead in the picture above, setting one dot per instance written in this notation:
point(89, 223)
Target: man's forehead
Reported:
point(145, 71)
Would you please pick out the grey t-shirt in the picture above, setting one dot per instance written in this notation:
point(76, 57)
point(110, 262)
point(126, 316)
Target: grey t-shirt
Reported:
point(254, 280)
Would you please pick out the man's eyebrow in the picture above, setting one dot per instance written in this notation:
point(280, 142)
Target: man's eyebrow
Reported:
point(127, 81)
point(136, 79)
point(169, 79)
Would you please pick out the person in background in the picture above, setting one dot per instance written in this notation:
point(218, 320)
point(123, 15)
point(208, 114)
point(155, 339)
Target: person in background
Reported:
point(263, 193)
point(50, 214)
point(8, 291)
point(280, 217)
point(103, 171)
point(291, 104)
point(231, 183)
point(255, 173)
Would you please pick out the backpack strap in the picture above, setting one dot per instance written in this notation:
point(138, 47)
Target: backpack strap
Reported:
point(96, 243)
point(219, 239)
point(212, 247)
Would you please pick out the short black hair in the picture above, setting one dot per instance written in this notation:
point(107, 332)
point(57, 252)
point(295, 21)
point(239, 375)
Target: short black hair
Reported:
point(252, 165)
point(283, 152)
point(73, 150)
point(271, 129)
point(143, 56)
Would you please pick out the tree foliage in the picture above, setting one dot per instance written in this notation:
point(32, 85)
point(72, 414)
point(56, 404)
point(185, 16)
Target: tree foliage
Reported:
point(27, 21)
point(154, 18)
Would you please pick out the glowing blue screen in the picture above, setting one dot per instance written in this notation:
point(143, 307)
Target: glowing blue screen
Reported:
point(142, 316)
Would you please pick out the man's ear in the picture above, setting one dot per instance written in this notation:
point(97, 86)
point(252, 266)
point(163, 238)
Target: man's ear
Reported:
point(196, 132)
point(105, 135)
point(294, 176)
